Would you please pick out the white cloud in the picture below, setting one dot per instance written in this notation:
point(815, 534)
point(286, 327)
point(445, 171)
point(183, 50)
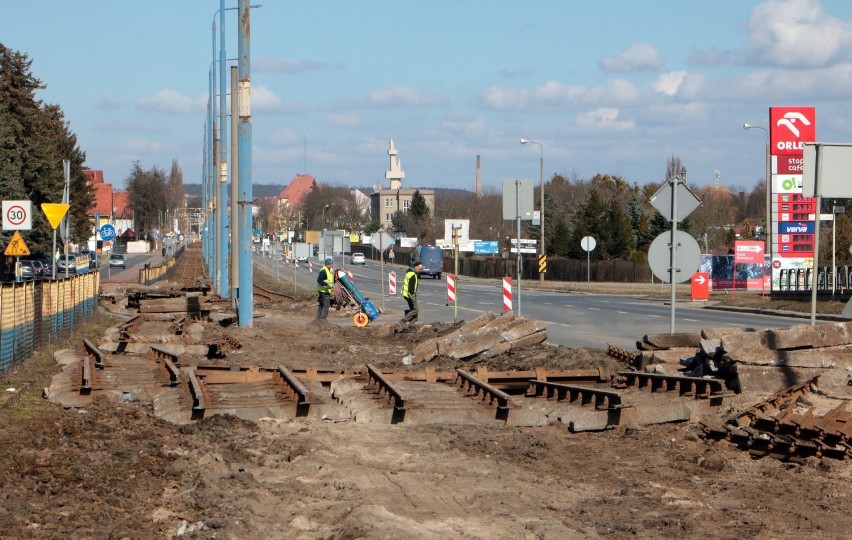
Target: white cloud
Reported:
point(110, 102)
point(669, 83)
point(796, 33)
point(343, 120)
point(464, 123)
point(398, 96)
point(637, 57)
point(173, 102)
point(265, 100)
point(123, 125)
point(605, 118)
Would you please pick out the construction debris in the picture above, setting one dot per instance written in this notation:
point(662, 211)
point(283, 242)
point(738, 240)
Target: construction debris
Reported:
point(487, 335)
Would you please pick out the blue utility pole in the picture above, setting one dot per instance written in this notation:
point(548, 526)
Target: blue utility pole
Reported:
point(221, 207)
point(245, 313)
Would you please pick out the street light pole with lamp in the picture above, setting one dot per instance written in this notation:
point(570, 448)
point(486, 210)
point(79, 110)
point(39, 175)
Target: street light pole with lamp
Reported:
point(768, 232)
point(541, 251)
point(834, 211)
point(324, 208)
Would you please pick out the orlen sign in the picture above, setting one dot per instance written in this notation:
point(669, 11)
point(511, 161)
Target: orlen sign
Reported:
point(790, 128)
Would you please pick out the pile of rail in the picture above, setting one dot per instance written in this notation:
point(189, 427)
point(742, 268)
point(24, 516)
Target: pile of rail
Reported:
point(785, 363)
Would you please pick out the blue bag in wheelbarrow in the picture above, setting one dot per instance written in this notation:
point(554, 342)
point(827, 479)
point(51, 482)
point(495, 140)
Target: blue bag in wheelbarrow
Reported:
point(369, 309)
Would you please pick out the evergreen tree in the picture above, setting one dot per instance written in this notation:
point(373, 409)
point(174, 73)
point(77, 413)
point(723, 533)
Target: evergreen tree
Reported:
point(34, 141)
point(419, 209)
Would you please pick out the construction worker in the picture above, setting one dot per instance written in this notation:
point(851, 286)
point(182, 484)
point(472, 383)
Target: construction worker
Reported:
point(325, 285)
point(409, 292)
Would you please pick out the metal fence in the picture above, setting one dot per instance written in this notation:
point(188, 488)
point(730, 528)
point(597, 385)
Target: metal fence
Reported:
point(33, 314)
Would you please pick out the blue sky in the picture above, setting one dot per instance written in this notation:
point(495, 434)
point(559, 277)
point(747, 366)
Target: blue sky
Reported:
point(613, 87)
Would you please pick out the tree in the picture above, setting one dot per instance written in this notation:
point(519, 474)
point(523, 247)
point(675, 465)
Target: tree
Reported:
point(34, 141)
point(419, 209)
point(146, 192)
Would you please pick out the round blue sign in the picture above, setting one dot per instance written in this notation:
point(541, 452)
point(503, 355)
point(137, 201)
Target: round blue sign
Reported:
point(107, 232)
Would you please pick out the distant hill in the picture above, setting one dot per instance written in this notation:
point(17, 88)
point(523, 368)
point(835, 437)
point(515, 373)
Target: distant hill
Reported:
point(257, 190)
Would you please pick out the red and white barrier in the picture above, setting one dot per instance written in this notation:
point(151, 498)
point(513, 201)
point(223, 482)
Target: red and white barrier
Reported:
point(392, 283)
point(350, 275)
point(507, 294)
point(451, 289)
point(310, 266)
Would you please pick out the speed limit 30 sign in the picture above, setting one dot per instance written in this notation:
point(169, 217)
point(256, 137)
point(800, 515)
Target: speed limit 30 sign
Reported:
point(17, 216)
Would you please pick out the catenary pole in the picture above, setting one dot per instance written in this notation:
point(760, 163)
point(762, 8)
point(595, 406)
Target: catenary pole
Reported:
point(246, 300)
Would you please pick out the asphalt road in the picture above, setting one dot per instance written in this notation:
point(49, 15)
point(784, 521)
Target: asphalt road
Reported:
point(574, 319)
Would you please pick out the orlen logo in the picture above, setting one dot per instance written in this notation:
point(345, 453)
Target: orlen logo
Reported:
point(791, 128)
point(790, 119)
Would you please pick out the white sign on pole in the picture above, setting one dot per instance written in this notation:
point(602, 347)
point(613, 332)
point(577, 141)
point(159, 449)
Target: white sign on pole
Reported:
point(462, 228)
point(17, 216)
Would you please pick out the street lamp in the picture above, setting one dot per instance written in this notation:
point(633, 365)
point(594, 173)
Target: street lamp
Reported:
point(834, 211)
point(768, 232)
point(541, 214)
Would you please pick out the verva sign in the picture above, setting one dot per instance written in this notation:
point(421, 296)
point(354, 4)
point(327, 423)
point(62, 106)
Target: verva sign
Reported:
point(790, 128)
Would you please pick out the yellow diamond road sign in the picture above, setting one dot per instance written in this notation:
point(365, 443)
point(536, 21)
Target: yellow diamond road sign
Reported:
point(16, 246)
point(54, 212)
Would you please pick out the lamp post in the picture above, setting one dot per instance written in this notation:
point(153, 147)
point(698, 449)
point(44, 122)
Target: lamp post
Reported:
point(541, 215)
point(324, 208)
point(834, 211)
point(768, 233)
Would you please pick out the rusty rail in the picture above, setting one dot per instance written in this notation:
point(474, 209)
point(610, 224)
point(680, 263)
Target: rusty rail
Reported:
point(657, 382)
point(774, 403)
point(94, 351)
point(197, 392)
point(376, 378)
point(303, 395)
point(86, 375)
point(474, 386)
point(603, 399)
point(169, 361)
point(131, 324)
point(179, 326)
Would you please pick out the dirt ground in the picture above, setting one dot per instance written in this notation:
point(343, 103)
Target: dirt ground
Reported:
point(114, 470)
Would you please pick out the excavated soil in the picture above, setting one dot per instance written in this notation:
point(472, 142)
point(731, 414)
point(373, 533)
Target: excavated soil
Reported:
point(114, 470)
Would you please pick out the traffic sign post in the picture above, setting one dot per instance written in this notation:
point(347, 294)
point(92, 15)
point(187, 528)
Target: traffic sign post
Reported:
point(16, 216)
point(666, 203)
point(107, 232)
point(54, 213)
point(588, 244)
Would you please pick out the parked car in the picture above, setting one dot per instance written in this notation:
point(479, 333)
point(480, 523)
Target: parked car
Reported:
point(30, 271)
point(358, 258)
point(302, 259)
point(117, 260)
